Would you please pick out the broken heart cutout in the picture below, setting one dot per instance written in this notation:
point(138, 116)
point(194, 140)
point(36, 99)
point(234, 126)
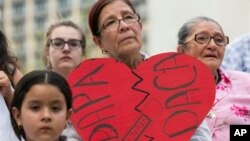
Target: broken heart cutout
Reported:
point(165, 98)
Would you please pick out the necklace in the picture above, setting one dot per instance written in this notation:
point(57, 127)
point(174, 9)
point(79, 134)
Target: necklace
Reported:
point(217, 77)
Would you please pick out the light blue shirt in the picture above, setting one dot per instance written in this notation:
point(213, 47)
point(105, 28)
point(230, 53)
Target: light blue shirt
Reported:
point(237, 54)
point(202, 133)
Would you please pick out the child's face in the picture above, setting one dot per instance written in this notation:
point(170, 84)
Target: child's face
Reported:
point(43, 113)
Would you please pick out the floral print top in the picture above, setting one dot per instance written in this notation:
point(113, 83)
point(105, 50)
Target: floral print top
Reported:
point(231, 105)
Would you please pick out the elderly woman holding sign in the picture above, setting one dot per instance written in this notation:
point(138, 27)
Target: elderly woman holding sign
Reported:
point(116, 29)
point(204, 39)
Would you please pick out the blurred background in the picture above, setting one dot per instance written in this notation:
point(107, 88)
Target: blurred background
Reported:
point(25, 22)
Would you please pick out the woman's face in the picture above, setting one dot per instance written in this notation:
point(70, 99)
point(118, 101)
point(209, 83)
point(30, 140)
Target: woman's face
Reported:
point(123, 40)
point(209, 53)
point(64, 59)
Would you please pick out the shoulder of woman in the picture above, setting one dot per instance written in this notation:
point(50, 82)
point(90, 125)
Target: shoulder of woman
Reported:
point(238, 75)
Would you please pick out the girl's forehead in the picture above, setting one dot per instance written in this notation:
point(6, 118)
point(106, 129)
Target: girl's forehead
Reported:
point(44, 93)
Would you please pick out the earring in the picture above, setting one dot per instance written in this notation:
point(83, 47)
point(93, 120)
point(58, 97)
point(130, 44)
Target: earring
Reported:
point(66, 125)
point(104, 51)
point(48, 66)
point(20, 127)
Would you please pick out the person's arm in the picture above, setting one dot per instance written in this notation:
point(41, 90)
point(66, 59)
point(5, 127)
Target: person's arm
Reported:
point(202, 133)
point(5, 88)
point(17, 76)
point(5, 85)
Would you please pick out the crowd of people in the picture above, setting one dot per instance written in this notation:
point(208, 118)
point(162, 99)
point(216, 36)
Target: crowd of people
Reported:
point(29, 102)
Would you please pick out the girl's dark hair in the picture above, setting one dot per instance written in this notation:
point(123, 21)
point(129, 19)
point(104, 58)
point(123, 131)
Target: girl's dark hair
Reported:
point(35, 78)
point(187, 28)
point(8, 63)
point(96, 10)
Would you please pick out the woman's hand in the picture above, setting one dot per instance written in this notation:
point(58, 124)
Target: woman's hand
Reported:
point(5, 88)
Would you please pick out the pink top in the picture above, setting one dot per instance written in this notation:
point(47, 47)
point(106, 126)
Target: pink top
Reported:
point(231, 105)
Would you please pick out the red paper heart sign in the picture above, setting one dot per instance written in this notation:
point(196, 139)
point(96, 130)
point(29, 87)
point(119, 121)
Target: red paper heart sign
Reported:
point(165, 98)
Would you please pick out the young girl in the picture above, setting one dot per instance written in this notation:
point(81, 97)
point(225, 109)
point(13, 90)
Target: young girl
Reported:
point(41, 106)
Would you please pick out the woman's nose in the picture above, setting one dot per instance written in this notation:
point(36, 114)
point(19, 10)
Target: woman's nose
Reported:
point(211, 44)
point(123, 26)
point(66, 46)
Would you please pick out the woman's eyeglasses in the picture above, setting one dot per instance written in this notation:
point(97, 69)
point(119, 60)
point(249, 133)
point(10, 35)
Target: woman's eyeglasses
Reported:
point(60, 43)
point(202, 38)
point(113, 24)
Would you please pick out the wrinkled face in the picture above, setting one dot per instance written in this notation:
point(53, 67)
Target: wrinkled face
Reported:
point(65, 59)
point(121, 40)
point(211, 54)
point(43, 114)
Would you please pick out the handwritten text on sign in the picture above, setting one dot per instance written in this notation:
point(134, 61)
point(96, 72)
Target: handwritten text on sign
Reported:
point(165, 98)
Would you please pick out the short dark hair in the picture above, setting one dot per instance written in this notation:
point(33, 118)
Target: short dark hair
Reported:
point(34, 78)
point(187, 28)
point(96, 10)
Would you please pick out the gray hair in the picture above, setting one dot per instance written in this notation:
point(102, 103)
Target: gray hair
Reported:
point(187, 27)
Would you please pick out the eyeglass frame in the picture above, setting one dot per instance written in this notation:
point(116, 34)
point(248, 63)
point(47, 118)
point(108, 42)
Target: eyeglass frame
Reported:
point(66, 42)
point(102, 28)
point(210, 38)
